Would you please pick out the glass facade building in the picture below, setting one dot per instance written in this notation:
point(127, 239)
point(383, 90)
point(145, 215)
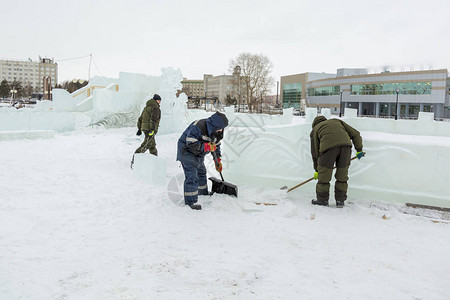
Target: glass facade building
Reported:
point(324, 91)
point(405, 88)
point(292, 94)
point(371, 94)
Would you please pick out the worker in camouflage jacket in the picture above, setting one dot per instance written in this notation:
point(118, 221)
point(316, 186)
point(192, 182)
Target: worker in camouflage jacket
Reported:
point(331, 142)
point(200, 138)
point(148, 123)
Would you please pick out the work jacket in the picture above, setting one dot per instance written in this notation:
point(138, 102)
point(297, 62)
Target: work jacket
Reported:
point(191, 143)
point(332, 133)
point(149, 119)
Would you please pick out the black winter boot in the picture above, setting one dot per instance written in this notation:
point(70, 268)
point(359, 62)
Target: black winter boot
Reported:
point(195, 206)
point(318, 202)
point(339, 204)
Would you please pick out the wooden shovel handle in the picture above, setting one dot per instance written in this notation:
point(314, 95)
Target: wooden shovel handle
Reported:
point(306, 181)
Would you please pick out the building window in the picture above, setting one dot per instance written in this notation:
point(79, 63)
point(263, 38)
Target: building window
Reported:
point(427, 108)
point(324, 91)
point(407, 88)
point(292, 94)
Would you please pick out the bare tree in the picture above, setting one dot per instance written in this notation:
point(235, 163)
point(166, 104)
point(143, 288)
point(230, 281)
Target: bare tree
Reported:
point(255, 75)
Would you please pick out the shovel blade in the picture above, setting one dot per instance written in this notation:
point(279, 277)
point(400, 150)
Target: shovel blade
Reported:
point(223, 187)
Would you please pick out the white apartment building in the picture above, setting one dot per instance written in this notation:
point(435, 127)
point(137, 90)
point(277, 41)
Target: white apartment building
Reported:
point(29, 73)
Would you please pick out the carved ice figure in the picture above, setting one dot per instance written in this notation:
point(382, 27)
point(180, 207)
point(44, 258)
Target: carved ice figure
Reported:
point(122, 107)
point(173, 108)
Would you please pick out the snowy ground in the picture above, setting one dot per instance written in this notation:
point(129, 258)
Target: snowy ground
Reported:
point(76, 223)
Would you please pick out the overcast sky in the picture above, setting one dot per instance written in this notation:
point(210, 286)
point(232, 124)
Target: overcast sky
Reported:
point(200, 37)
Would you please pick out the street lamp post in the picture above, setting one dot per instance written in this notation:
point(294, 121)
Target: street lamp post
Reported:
point(13, 91)
point(396, 105)
point(237, 71)
point(340, 104)
point(277, 90)
point(77, 84)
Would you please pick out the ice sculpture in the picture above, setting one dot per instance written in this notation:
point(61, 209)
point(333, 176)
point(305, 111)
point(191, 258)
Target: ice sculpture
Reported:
point(400, 165)
point(174, 109)
point(104, 102)
point(244, 119)
point(150, 168)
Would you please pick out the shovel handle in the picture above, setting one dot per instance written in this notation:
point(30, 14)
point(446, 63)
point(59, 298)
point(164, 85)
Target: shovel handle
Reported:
point(306, 181)
point(300, 184)
point(214, 155)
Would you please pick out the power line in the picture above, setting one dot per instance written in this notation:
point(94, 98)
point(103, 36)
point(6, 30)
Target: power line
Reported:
point(91, 59)
point(72, 58)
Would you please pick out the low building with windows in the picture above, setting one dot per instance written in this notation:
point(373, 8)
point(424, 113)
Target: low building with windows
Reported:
point(222, 87)
point(193, 88)
point(382, 95)
point(30, 73)
point(293, 88)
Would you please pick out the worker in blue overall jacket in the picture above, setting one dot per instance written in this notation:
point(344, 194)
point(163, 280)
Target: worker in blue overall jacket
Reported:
point(200, 138)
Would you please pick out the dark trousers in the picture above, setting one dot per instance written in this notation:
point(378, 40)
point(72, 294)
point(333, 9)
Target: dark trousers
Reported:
point(148, 144)
point(340, 156)
point(195, 182)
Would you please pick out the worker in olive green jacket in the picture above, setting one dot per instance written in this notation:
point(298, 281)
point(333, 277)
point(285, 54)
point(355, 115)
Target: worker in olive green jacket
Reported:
point(331, 142)
point(148, 123)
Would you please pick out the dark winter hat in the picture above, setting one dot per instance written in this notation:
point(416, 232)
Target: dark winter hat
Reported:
point(224, 118)
point(156, 97)
point(317, 120)
point(216, 121)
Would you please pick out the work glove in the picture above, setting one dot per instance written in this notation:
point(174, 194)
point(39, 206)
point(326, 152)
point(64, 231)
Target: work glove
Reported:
point(139, 132)
point(151, 133)
point(360, 154)
point(316, 175)
point(218, 163)
point(209, 147)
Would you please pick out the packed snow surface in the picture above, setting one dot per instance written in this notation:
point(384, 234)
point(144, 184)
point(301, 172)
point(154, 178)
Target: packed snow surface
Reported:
point(77, 223)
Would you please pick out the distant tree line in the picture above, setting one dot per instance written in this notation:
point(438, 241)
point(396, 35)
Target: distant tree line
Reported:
point(72, 85)
point(27, 90)
point(6, 87)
